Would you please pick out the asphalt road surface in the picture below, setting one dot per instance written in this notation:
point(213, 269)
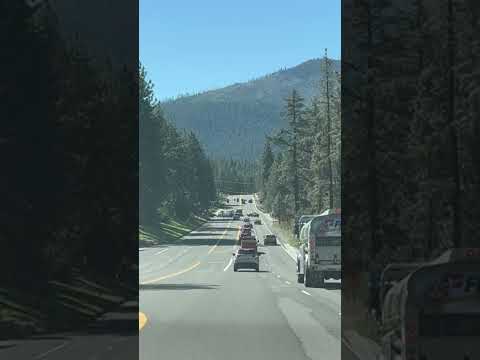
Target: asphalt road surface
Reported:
point(100, 344)
point(195, 307)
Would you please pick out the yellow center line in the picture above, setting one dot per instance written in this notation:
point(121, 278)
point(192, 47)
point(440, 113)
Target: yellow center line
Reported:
point(218, 242)
point(171, 275)
point(142, 320)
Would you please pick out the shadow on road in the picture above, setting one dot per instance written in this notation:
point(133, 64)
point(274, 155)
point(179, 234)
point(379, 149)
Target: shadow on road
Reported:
point(177, 287)
point(216, 229)
point(203, 242)
point(223, 220)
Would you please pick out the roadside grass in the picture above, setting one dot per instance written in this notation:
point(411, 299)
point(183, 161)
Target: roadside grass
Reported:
point(169, 230)
point(63, 305)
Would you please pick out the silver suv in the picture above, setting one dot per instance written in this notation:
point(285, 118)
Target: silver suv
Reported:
point(246, 259)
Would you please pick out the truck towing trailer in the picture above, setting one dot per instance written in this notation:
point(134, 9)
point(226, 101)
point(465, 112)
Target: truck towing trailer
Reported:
point(319, 257)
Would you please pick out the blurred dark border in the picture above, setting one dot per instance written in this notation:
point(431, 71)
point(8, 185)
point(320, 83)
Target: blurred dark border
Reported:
point(69, 176)
point(410, 144)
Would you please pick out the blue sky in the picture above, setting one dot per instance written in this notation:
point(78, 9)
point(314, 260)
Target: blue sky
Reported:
point(197, 45)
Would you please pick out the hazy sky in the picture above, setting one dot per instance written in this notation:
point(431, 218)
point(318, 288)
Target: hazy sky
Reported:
point(192, 45)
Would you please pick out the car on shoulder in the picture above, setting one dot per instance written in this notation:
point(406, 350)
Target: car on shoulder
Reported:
point(257, 222)
point(270, 239)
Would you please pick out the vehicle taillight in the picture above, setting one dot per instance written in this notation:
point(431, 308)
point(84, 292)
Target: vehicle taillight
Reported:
point(312, 242)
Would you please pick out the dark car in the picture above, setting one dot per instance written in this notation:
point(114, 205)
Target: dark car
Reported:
point(270, 240)
point(250, 201)
point(257, 222)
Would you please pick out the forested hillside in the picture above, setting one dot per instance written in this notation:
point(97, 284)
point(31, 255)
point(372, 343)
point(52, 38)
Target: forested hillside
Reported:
point(176, 178)
point(235, 176)
point(233, 121)
point(300, 166)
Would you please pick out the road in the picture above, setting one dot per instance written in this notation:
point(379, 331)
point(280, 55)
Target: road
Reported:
point(194, 306)
point(104, 342)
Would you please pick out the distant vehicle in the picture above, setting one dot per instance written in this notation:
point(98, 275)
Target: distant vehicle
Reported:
point(249, 242)
point(270, 240)
point(239, 212)
point(253, 214)
point(246, 219)
point(434, 310)
point(244, 201)
point(320, 253)
point(246, 259)
point(250, 201)
point(228, 201)
point(257, 222)
point(236, 217)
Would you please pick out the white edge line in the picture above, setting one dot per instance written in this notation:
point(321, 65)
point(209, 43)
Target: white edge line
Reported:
point(161, 251)
point(269, 229)
point(306, 293)
point(228, 265)
point(41, 356)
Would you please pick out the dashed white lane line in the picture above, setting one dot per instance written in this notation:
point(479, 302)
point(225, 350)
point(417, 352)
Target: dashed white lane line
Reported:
point(228, 265)
point(306, 293)
point(43, 355)
point(161, 251)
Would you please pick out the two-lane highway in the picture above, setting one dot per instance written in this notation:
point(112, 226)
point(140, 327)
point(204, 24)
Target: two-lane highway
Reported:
point(194, 306)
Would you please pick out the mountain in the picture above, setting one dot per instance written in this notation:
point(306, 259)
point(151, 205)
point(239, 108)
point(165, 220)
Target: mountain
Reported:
point(232, 121)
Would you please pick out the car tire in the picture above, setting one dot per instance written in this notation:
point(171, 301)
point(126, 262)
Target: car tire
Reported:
point(307, 280)
point(320, 281)
point(300, 278)
point(257, 269)
point(235, 268)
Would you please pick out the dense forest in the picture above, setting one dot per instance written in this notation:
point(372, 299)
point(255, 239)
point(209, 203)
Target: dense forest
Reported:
point(69, 165)
point(235, 176)
point(300, 165)
point(176, 177)
point(411, 165)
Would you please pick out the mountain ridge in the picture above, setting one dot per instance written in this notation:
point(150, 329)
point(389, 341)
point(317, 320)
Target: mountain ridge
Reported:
point(232, 121)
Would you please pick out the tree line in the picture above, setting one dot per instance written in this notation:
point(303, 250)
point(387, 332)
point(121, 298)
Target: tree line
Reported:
point(300, 165)
point(411, 131)
point(235, 176)
point(66, 155)
point(176, 177)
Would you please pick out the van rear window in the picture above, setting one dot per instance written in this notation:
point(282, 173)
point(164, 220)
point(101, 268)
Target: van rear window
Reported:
point(328, 241)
